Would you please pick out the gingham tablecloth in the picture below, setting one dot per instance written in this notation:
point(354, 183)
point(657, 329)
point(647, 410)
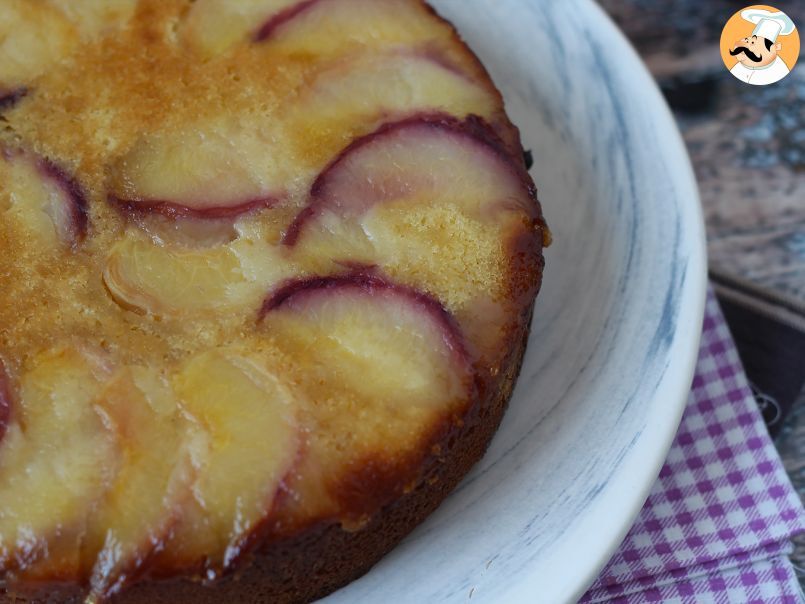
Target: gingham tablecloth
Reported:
point(718, 523)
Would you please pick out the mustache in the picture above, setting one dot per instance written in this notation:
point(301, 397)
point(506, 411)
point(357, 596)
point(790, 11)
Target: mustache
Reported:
point(743, 49)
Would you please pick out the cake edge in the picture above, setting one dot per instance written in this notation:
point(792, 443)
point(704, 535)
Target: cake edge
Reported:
point(317, 562)
point(322, 560)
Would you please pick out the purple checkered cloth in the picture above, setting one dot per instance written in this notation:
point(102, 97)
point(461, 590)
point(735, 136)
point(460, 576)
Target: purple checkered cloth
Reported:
point(718, 523)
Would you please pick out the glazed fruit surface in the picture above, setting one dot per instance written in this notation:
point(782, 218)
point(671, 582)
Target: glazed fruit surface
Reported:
point(258, 258)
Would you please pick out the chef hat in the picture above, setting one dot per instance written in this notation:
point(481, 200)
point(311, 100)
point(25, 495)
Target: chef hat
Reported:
point(769, 25)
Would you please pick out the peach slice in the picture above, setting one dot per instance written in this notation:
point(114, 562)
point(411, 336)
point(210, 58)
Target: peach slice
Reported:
point(250, 417)
point(435, 202)
point(56, 460)
point(213, 26)
point(162, 279)
point(42, 199)
point(388, 373)
point(325, 27)
point(217, 170)
point(429, 159)
point(157, 442)
point(353, 96)
point(33, 36)
point(384, 342)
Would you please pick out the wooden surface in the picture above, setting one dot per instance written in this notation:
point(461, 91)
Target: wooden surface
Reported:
point(747, 145)
point(747, 142)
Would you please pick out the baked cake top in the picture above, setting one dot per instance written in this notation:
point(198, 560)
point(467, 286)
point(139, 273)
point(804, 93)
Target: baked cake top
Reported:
point(257, 259)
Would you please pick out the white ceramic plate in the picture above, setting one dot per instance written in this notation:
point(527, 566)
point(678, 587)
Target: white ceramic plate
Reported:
point(616, 327)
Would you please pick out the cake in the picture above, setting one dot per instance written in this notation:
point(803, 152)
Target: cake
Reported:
point(267, 269)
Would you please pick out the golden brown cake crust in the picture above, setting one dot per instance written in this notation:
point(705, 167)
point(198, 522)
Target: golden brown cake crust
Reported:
point(298, 563)
point(327, 557)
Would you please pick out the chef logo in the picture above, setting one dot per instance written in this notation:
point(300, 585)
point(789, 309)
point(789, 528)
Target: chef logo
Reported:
point(760, 45)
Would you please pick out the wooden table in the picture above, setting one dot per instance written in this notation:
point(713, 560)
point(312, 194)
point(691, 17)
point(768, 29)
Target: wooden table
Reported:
point(747, 145)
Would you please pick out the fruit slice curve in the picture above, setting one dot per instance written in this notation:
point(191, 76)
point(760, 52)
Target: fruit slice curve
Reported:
point(56, 459)
point(384, 341)
point(212, 26)
point(433, 159)
point(385, 367)
point(41, 198)
point(353, 96)
point(217, 170)
point(326, 27)
point(165, 279)
point(437, 204)
point(254, 440)
point(157, 442)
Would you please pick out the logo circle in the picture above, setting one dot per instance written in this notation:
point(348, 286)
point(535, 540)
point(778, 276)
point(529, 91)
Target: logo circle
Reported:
point(760, 45)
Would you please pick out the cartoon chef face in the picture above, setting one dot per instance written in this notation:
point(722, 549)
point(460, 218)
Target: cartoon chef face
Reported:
point(757, 55)
point(755, 51)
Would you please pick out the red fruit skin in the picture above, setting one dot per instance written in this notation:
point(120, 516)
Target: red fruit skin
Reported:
point(73, 193)
point(5, 400)
point(9, 98)
point(474, 128)
point(265, 31)
point(371, 284)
